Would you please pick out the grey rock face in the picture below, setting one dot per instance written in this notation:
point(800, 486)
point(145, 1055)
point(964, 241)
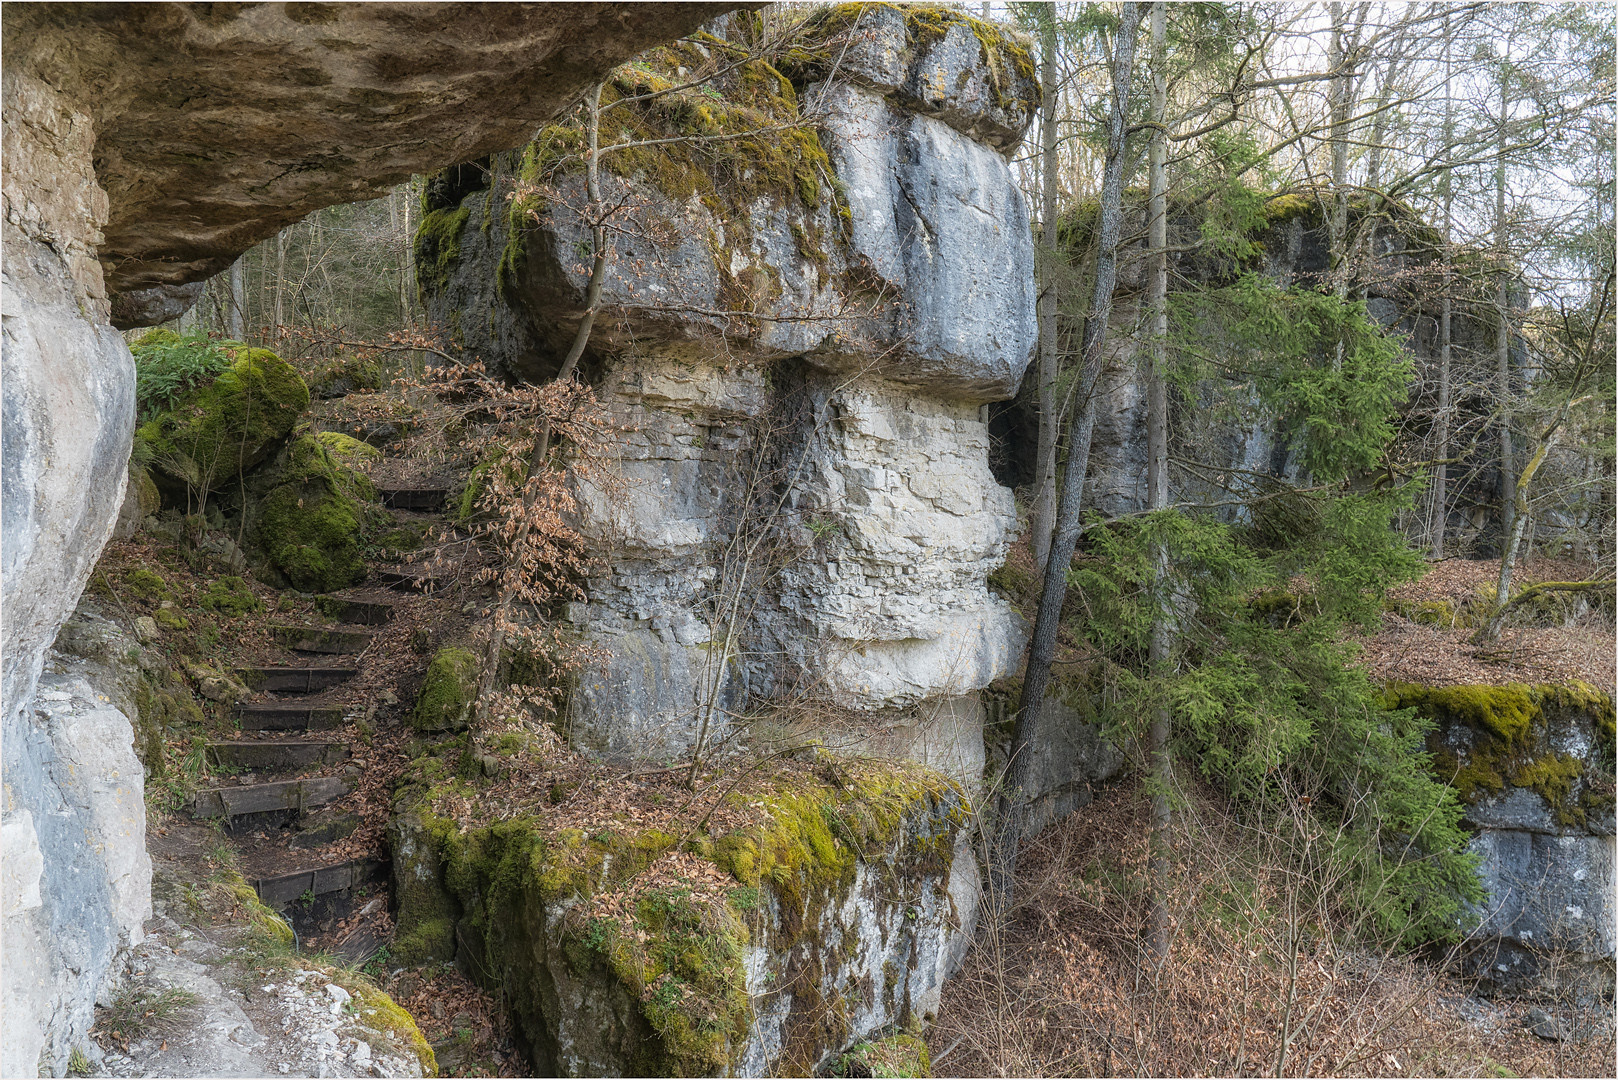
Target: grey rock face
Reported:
point(805, 507)
point(286, 110)
point(1548, 921)
point(1547, 865)
point(278, 115)
point(77, 878)
point(825, 963)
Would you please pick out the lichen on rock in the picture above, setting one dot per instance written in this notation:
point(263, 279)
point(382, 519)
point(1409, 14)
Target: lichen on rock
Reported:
point(826, 907)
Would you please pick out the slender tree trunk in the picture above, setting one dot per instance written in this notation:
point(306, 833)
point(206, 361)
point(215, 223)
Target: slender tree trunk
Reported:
point(541, 449)
point(1042, 647)
point(1509, 531)
point(1045, 463)
point(1341, 93)
point(1446, 304)
point(280, 279)
point(238, 297)
point(1157, 490)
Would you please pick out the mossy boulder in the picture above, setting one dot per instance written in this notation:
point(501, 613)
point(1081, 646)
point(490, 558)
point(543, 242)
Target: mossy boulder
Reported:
point(1500, 746)
point(350, 452)
point(218, 431)
point(448, 692)
point(828, 917)
point(347, 374)
point(230, 595)
point(314, 518)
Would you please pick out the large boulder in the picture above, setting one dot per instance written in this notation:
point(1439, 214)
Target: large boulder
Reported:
point(315, 513)
point(1534, 767)
point(828, 908)
point(825, 307)
point(209, 437)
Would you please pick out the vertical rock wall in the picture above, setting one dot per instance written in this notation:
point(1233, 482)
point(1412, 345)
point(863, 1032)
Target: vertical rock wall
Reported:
point(72, 816)
point(798, 370)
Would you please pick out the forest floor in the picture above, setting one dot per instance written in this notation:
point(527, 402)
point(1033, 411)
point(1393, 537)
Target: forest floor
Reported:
point(1571, 642)
point(1061, 987)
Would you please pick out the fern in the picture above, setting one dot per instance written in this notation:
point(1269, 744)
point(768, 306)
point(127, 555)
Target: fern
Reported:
point(169, 366)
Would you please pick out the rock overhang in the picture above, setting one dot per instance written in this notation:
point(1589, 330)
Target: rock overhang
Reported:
point(216, 125)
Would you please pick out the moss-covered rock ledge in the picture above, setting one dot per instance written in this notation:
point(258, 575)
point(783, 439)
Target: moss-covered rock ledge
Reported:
point(636, 935)
point(1534, 766)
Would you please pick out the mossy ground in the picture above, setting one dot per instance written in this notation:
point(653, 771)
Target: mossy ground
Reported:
point(664, 891)
point(1510, 739)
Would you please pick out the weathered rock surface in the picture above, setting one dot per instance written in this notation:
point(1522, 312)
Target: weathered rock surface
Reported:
point(1533, 766)
point(836, 916)
point(277, 110)
point(832, 341)
point(189, 133)
point(77, 877)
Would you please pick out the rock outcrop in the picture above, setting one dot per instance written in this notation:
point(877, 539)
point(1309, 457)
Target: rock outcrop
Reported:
point(1534, 767)
point(796, 346)
point(145, 147)
point(822, 912)
point(77, 885)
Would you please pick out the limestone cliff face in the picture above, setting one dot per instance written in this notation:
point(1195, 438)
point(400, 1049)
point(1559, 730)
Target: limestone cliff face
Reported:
point(798, 367)
point(1533, 767)
point(145, 147)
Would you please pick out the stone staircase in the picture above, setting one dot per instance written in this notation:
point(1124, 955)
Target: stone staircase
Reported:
point(289, 762)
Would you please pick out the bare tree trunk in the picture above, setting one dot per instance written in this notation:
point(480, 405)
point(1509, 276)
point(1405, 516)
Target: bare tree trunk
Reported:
point(541, 449)
point(1342, 90)
point(280, 279)
point(1157, 490)
point(1440, 518)
point(1045, 463)
point(1502, 358)
point(1042, 647)
point(238, 296)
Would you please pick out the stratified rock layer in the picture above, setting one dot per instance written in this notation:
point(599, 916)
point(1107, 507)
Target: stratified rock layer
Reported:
point(796, 364)
point(145, 147)
point(218, 125)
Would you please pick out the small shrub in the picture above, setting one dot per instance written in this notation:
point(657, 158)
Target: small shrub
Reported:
point(168, 366)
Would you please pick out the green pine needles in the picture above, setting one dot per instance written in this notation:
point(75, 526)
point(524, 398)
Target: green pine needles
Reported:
point(1269, 705)
point(1266, 698)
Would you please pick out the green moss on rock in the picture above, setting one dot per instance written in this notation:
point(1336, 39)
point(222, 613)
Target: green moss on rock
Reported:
point(312, 524)
point(1506, 741)
point(230, 595)
point(218, 431)
point(448, 692)
point(668, 958)
point(438, 245)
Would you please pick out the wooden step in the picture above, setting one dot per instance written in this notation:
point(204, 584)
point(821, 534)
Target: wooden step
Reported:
point(285, 888)
point(414, 498)
point(272, 755)
point(288, 716)
point(408, 577)
point(295, 680)
point(317, 640)
point(359, 612)
point(231, 802)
